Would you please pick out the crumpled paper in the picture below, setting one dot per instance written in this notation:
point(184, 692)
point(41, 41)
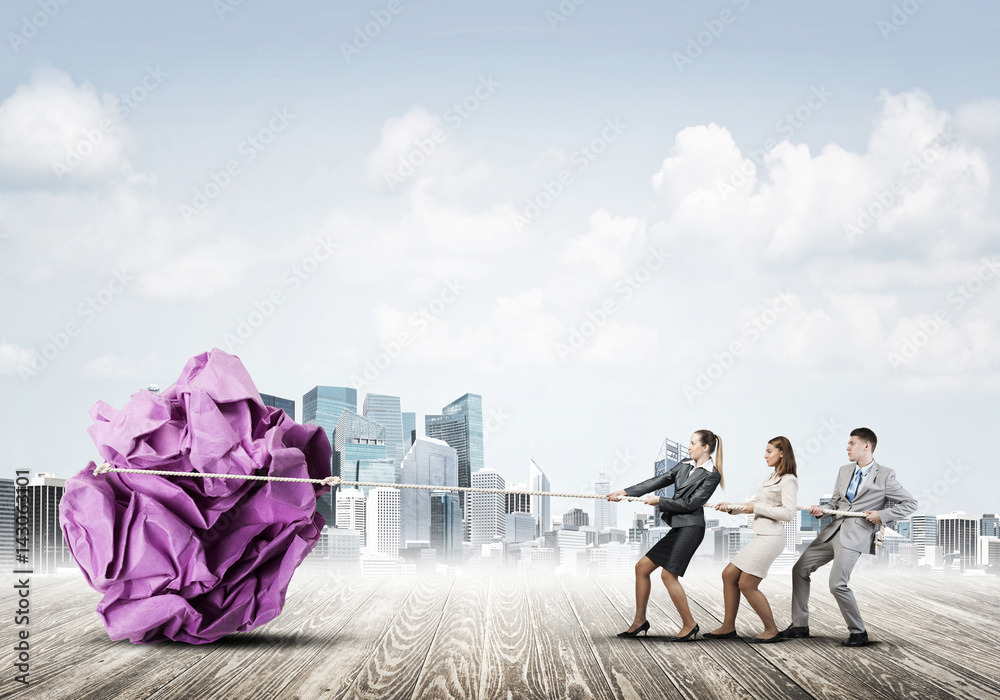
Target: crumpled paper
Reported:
point(193, 559)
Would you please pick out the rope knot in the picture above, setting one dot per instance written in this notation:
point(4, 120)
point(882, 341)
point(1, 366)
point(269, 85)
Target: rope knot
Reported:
point(103, 469)
point(332, 481)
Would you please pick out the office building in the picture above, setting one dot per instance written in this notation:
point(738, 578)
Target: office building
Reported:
point(518, 502)
point(432, 463)
point(460, 424)
point(576, 518)
point(7, 521)
point(361, 453)
point(351, 510)
point(409, 429)
point(923, 532)
point(670, 454)
point(605, 512)
point(519, 527)
point(382, 522)
point(286, 405)
point(447, 529)
point(384, 410)
point(487, 509)
point(45, 537)
point(989, 525)
point(323, 406)
point(539, 505)
point(792, 532)
point(957, 534)
point(903, 528)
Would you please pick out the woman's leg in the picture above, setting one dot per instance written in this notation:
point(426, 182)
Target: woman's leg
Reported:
point(680, 601)
point(644, 568)
point(730, 594)
point(758, 601)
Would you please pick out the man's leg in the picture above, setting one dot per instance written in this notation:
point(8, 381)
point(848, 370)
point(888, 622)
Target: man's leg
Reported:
point(843, 564)
point(816, 555)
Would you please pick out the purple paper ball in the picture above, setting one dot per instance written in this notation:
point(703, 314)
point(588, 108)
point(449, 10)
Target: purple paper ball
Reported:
point(188, 558)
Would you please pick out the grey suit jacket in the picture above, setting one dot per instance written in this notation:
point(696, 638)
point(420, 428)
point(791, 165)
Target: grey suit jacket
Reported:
point(692, 489)
point(858, 534)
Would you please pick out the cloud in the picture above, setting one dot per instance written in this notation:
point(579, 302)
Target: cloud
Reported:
point(606, 242)
point(13, 359)
point(916, 181)
point(979, 118)
point(52, 129)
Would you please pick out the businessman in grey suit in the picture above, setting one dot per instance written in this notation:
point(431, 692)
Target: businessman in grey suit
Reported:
point(863, 486)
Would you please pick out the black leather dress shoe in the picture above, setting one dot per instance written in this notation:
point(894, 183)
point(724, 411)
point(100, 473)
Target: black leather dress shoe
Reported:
point(689, 637)
point(767, 640)
point(725, 635)
point(794, 632)
point(857, 639)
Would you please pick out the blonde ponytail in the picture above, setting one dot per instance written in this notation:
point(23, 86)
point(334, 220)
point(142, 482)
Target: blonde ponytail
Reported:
point(714, 444)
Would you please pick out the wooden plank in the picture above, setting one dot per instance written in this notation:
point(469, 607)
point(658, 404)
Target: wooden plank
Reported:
point(90, 662)
point(756, 674)
point(803, 661)
point(231, 665)
point(454, 661)
point(626, 664)
point(511, 663)
point(350, 645)
point(394, 666)
point(565, 651)
point(897, 664)
point(694, 671)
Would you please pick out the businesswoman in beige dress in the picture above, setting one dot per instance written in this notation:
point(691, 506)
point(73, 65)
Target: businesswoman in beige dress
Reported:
point(773, 505)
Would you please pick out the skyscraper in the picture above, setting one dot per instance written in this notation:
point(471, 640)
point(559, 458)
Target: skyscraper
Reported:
point(957, 534)
point(518, 502)
point(461, 426)
point(48, 549)
point(360, 451)
point(447, 528)
point(7, 518)
point(519, 527)
point(433, 463)
point(670, 454)
point(286, 405)
point(409, 429)
point(923, 532)
point(487, 509)
point(605, 512)
point(350, 510)
point(323, 406)
point(539, 504)
point(989, 525)
point(384, 410)
point(382, 522)
point(576, 518)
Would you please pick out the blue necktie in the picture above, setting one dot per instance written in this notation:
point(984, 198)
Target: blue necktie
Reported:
point(852, 490)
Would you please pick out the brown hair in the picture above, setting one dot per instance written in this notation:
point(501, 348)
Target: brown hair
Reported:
point(867, 435)
point(786, 464)
point(714, 444)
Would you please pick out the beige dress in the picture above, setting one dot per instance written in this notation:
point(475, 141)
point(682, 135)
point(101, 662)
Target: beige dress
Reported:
point(773, 505)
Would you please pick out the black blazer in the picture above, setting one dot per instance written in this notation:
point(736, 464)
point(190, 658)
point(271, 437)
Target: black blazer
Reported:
point(691, 492)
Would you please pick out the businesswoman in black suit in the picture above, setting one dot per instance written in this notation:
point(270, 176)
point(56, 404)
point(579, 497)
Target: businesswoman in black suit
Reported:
point(694, 482)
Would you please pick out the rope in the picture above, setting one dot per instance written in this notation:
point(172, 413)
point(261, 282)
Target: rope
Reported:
point(337, 481)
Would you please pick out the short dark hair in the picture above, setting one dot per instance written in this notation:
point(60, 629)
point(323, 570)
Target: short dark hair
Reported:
point(865, 434)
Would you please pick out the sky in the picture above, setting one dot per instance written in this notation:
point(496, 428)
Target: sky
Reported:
point(617, 223)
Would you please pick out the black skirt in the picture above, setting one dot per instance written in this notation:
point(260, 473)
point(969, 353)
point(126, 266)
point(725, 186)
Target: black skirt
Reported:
point(674, 551)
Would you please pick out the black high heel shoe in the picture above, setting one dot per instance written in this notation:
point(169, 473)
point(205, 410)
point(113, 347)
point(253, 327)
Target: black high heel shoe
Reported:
point(644, 628)
point(689, 637)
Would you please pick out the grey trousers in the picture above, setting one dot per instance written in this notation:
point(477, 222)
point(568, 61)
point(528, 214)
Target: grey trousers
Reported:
point(816, 555)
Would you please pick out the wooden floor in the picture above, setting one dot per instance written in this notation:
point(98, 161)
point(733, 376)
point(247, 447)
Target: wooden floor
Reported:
point(509, 637)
